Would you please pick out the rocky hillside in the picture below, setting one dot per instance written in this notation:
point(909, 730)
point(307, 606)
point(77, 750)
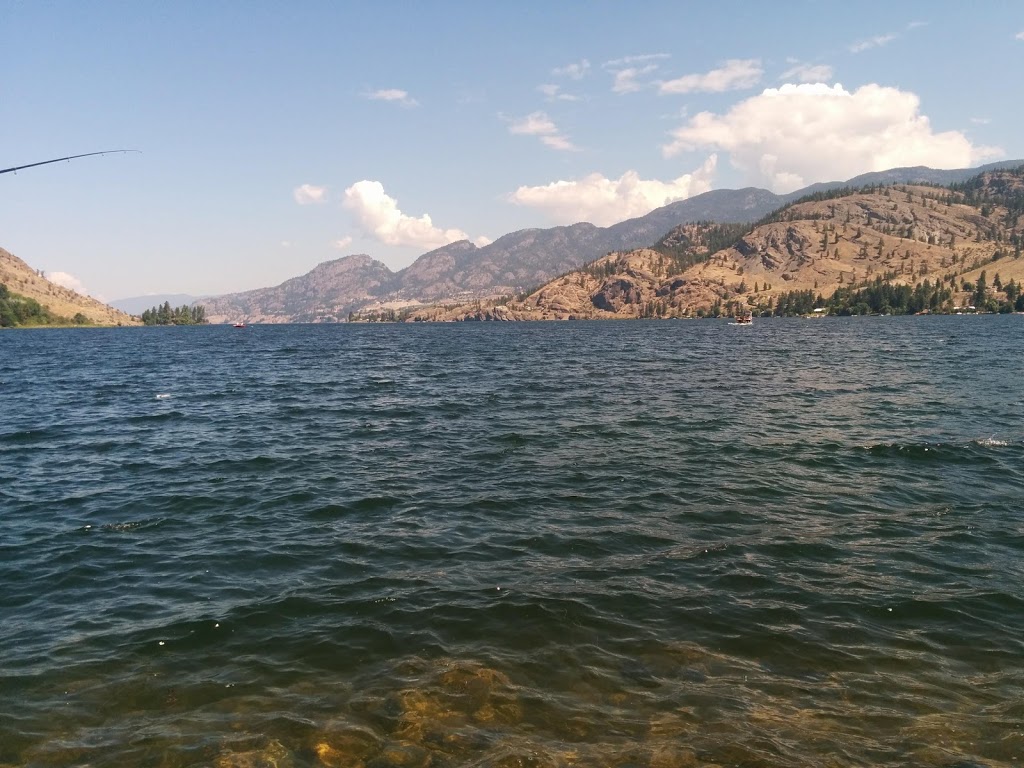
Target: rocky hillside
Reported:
point(21, 279)
point(463, 271)
point(839, 240)
point(515, 262)
point(326, 294)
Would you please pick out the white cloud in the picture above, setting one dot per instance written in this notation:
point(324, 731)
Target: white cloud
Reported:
point(803, 72)
point(1019, 35)
point(626, 79)
point(981, 120)
point(342, 243)
point(395, 95)
point(309, 194)
point(554, 92)
point(917, 24)
point(540, 125)
point(67, 280)
point(481, 241)
point(787, 137)
point(378, 214)
point(615, 63)
point(604, 201)
point(733, 75)
point(872, 42)
point(286, 243)
point(561, 143)
point(575, 71)
point(627, 71)
point(534, 124)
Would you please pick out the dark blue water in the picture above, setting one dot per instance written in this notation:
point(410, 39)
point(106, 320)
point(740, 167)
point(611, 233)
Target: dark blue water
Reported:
point(580, 544)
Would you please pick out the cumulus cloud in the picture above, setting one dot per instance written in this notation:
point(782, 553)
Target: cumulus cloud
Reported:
point(798, 134)
point(731, 76)
point(803, 72)
point(872, 42)
point(981, 120)
point(481, 241)
point(540, 125)
point(342, 243)
point(378, 215)
point(309, 194)
point(604, 201)
point(67, 280)
point(1019, 35)
point(396, 95)
point(575, 71)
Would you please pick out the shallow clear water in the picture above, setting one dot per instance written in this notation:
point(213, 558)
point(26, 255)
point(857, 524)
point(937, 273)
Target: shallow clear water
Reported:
point(579, 544)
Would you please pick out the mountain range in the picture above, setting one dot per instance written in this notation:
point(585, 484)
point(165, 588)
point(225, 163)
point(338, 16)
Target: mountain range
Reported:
point(877, 248)
point(519, 261)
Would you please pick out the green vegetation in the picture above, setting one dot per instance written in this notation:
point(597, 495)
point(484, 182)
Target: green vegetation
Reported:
point(17, 310)
point(682, 252)
point(881, 297)
point(168, 315)
point(378, 316)
point(1006, 189)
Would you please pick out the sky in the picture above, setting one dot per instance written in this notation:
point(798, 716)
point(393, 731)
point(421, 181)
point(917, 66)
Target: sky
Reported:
point(275, 136)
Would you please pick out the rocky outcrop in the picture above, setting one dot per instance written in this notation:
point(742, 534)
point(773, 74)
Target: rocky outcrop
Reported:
point(617, 292)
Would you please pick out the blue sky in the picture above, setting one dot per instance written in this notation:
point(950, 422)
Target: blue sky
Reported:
point(274, 138)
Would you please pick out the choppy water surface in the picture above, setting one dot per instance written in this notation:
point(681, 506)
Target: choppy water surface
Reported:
point(623, 544)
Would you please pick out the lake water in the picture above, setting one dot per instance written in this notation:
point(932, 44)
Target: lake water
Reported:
point(581, 544)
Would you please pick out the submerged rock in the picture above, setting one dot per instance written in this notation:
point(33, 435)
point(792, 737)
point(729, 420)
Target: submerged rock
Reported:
point(274, 755)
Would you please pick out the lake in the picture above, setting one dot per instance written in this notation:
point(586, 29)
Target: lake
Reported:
point(688, 543)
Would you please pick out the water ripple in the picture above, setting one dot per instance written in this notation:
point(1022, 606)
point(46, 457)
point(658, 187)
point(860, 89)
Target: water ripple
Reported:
point(623, 544)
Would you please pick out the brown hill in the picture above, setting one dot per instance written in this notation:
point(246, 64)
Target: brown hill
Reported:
point(20, 278)
point(901, 234)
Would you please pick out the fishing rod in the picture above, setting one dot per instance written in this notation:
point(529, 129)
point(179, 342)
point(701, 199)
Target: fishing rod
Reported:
point(69, 157)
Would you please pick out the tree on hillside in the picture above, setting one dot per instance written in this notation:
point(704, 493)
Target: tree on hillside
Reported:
point(980, 291)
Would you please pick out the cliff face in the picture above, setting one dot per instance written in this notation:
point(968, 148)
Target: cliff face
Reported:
point(903, 235)
point(20, 278)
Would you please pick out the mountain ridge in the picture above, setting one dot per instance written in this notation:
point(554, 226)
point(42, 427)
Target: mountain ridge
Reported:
point(520, 260)
point(926, 248)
